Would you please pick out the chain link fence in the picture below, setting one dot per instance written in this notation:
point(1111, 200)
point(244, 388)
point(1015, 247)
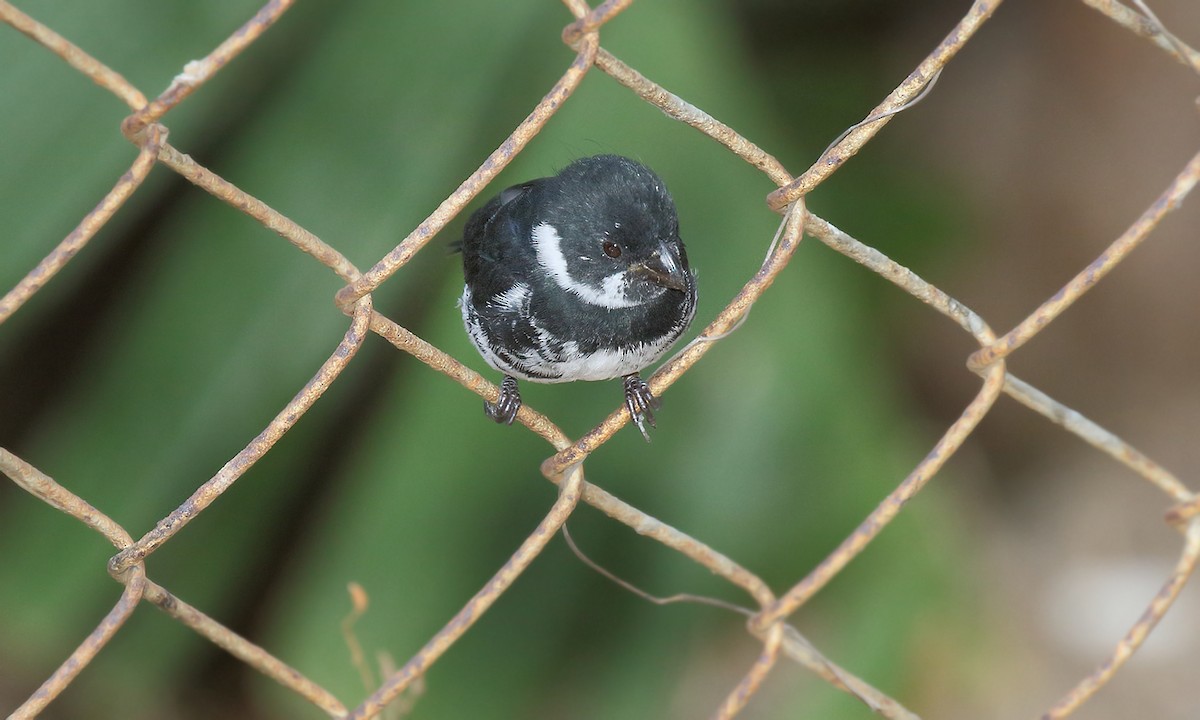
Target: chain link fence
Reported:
point(769, 621)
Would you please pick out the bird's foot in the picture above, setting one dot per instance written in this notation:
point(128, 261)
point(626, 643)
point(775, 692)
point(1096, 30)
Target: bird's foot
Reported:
point(641, 403)
point(506, 406)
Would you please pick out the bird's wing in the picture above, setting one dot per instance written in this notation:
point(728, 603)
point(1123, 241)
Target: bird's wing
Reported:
point(497, 261)
point(479, 220)
point(495, 242)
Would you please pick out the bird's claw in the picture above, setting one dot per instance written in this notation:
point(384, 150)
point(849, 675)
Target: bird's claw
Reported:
point(504, 410)
point(640, 403)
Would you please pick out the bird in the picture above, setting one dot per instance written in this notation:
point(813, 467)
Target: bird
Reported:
point(577, 276)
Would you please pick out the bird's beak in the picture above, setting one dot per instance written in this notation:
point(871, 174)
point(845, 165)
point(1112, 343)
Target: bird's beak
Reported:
point(664, 267)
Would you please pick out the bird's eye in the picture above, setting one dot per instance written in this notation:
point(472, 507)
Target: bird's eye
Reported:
point(612, 249)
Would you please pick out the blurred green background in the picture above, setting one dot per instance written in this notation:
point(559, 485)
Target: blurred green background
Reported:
point(185, 326)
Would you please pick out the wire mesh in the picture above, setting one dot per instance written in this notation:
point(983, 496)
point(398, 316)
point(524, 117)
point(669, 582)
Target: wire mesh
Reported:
point(565, 467)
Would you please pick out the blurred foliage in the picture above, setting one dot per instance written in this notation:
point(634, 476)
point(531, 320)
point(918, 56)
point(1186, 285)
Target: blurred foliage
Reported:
point(184, 327)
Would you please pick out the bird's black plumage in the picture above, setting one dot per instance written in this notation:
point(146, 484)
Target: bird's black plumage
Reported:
point(579, 276)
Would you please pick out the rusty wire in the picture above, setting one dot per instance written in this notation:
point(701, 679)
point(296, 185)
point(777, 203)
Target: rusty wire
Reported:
point(769, 621)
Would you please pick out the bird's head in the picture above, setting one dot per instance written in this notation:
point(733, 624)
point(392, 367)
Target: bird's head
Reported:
point(610, 234)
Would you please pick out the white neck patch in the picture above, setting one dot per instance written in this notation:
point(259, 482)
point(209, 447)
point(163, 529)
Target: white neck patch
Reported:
point(548, 245)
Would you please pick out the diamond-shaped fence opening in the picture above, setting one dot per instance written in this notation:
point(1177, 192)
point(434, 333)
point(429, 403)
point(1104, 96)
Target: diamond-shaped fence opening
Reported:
point(774, 606)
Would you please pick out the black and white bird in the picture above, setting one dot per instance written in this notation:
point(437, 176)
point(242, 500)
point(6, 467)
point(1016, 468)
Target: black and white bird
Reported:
point(580, 276)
